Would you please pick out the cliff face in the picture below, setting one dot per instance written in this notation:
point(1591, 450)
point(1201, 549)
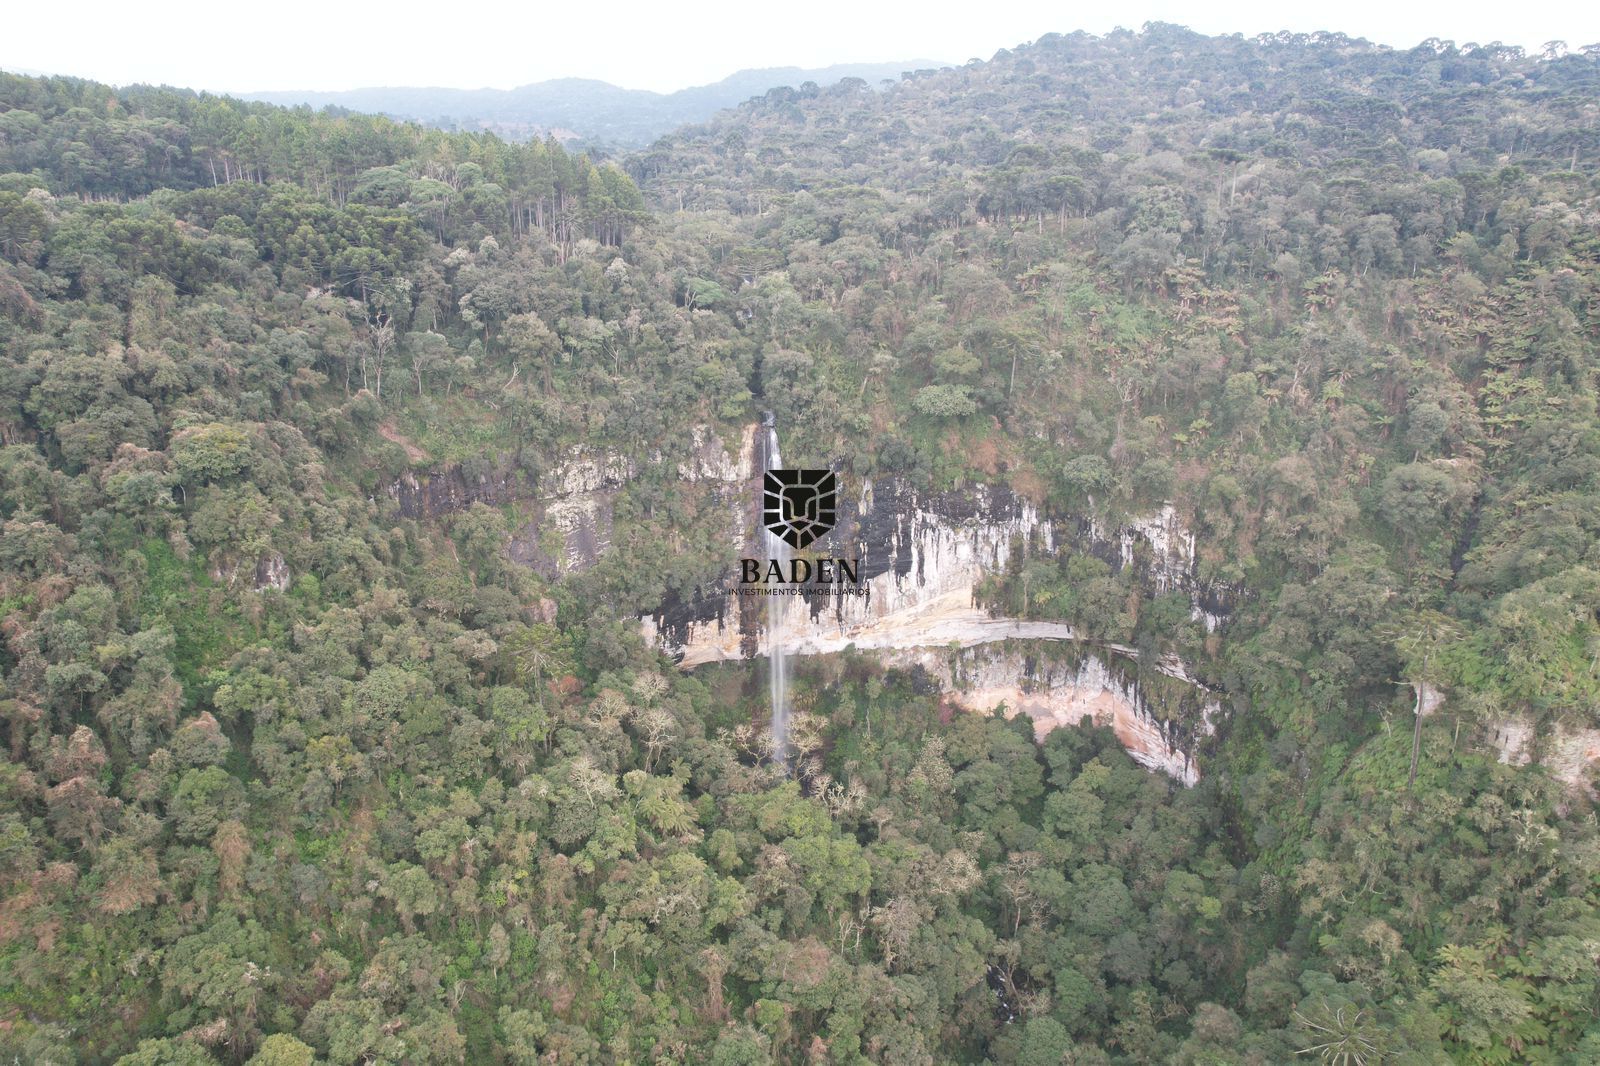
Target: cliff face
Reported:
point(1570, 755)
point(921, 556)
point(569, 505)
point(269, 571)
point(1161, 549)
point(1060, 685)
point(920, 561)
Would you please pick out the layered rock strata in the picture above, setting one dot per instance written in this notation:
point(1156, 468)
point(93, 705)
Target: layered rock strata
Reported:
point(1056, 687)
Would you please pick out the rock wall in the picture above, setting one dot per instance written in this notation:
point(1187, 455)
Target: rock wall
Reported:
point(435, 493)
point(1573, 755)
point(269, 571)
point(1570, 755)
point(572, 514)
point(921, 556)
point(1429, 698)
point(569, 505)
point(920, 562)
point(1513, 740)
point(1163, 552)
point(1060, 686)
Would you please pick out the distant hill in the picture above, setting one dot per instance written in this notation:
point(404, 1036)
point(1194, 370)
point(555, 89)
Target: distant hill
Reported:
point(582, 108)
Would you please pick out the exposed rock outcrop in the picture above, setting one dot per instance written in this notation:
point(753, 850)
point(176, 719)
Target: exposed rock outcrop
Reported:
point(571, 524)
point(453, 488)
point(921, 558)
point(1573, 756)
point(568, 507)
point(1429, 697)
point(1057, 686)
point(1163, 548)
point(270, 571)
point(920, 562)
point(1513, 739)
point(1570, 755)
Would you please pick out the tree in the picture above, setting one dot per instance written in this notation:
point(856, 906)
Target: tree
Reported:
point(1339, 1035)
point(430, 353)
point(1044, 1043)
point(167, 1053)
point(280, 1049)
point(945, 401)
point(526, 337)
point(535, 652)
point(203, 800)
point(215, 975)
point(521, 726)
point(412, 891)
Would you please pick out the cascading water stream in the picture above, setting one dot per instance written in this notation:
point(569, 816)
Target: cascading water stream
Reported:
point(777, 615)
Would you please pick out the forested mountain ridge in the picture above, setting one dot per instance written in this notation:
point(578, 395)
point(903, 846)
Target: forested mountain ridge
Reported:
point(594, 112)
point(290, 776)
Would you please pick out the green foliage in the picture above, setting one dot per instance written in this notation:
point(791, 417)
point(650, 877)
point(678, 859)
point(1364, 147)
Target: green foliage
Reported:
point(328, 735)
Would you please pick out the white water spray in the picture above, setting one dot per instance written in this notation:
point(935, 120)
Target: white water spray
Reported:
point(777, 616)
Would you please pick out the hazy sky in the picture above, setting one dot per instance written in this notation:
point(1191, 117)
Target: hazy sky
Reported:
point(296, 44)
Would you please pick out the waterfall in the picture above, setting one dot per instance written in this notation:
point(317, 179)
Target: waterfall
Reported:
point(777, 614)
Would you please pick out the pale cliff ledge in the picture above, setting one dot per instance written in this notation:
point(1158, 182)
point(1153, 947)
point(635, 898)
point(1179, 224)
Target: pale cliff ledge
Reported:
point(1568, 755)
point(1056, 687)
point(922, 558)
point(923, 555)
point(983, 662)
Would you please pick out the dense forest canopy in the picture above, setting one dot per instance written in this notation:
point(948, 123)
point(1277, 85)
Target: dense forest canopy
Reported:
point(290, 776)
